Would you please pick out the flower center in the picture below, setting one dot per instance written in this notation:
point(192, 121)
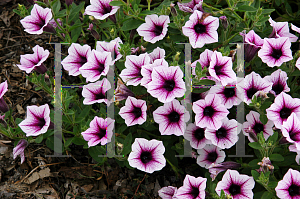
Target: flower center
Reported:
point(258, 127)
point(208, 111)
point(169, 85)
point(229, 92)
point(157, 30)
point(106, 9)
point(137, 112)
point(83, 60)
point(277, 88)
point(221, 133)
point(101, 133)
point(285, 113)
point(218, 70)
point(194, 192)
point(294, 135)
point(293, 190)
point(101, 68)
point(41, 122)
point(234, 189)
point(251, 92)
point(212, 156)
point(200, 28)
point(99, 96)
point(174, 117)
point(276, 54)
point(199, 133)
point(146, 157)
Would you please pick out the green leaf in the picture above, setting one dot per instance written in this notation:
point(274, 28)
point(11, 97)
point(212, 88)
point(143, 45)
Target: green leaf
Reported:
point(78, 141)
point(266, 105)
point(247, 8)
point(268, 11)
point(127, 144)
point(147, 12)
point(75, 34)
point(83, 114)
point(75, 10)
point(253, 163)
point(131, 24)
point(69, 112)
point(273, 138)
point(277, 2)
point(56, 7)
point(95, 151)
point(263, 118)
point(117, 3)
point(75, 26)
point(121, 129)
point(61, 14)
point(39, 139)
point(50, 144)
point(255, 145)
point(68, 142)
point(206, 82)
point(267, 195)
point(295, 73)
point(272, 184)
point(276, 157)
point(255, 174)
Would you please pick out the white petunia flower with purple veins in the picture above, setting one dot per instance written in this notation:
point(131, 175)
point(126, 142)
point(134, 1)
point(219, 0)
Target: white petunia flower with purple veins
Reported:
point(97, 65)
point(146, 71)
point(281, 29)
point(289, 186)
point(298, 63)
point(210, 154)
point(291, 130)
point(284, 105)
point(19, 150)
point(37, 121)
point(30, 62)
point(229, 96)
point(76, 58)
point(172, 118)
point(204, 60)
point(191, 6)
point(253, 123)
point(220, 68)
point(112, 46)
point(100, 131)
point(196, 136)
point(226, 136)
point(215, 169)
point(167, 83)
point(193, 188)
point(3, 89)
point(155, 28)
point(134, 111)
point(167, 192)
point(295, 28)
point(209, 112)
point(147, 155)
point(157, 53)
point(95, 92)
point(274, 52)
point(201, 29)
point(131, 75)
point(251, 85)
point(237, 185)
point(278, 78)
point(100, 9)
point(253, 44)
point(38, 20)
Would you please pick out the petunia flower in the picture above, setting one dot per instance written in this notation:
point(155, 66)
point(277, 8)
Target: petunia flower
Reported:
point(237, 185)
point(172, 118)
point(3, 89)
point(191, 6)
point(284, 105)
point(281, 29)
point(147, 155)
point(215, 169)
point(19, 150)
point(265, 165)
point(2, 121)
point(274, 52)
point(95, 92)
point(253, 44)
point(209, 112)
point(167, 192)
point(122, 92)
point(196, 136)
point(157, 53)
point(226, 136)
point(155, 28)
point(289, 186)
point(298, 63)
point(278, 78)
point(76, 59)
point(192, 188)
point(100, 9)
point(100, 131)
point(38, 20)
point(37, 121)
point(295, 28)
point(204, 60)
point(97, 64)
point(134, 111)
point(291, 130)
point(34, 61)
point(201, 29)
point(254, 123)
point(131, 75)
point(251, 85)
point(167, 83)
point(113, 46)
point(210, 154)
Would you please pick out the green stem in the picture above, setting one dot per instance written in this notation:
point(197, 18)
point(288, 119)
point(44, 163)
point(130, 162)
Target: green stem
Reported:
point(238, 16)
point(153, 5)
point(210, 7)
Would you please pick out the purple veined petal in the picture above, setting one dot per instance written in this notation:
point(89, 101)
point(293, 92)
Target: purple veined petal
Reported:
point(253, 39)
point(100, 9)
point(157, 53)
point(96, 92)
point(204, 60)
point(298, 63)
point(3, 88)
point(291, 130)
point(210, 154)
point(215, 169)
point(112, 46)
point(279, 80)
point(196, 136)
point(295, 28)
point(281, 29)
point(167, 192)
point(189, 7)
point(19, 150)
point(288, 187)
point(192, 188)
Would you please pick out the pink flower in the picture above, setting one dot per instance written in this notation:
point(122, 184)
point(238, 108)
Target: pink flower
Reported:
point(3, 89)
point(210, 154)
point(289, 186)
point(157, 53)
point(193, 188)
point(167, 192)
point(19, 150)
point(95, 92)
point(112, 46)
point(100, 9)
point(281, 29)
point(291, 130)
point(196, 136)
point(204, 60)
point(278, 78)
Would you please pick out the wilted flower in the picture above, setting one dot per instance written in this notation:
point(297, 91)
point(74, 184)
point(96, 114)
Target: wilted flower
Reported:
point(291, 130)
point(224, 21)
point(167, 192)
point(101, 10)
point(173, 9)
point(281, 29)
point(155, 28)
point(210, 154)
point(289, 186)
point(69, 2)
point(95, 92)
point(196, 136)
point(215, 169)
point(253, 44)
point(157, 53)
point(2, 121)
point(265, 165)
point(93, 32)
point(3, 89)
point(100, 131)
point(191, 6)
point(134, 51)
point(19, 150)
point(122, 92)
point(147, 155)
point(192, 188)
point(112, 46)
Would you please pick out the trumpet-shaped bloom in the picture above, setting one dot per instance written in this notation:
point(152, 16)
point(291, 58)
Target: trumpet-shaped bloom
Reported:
point(157, 53)
point(196, 136)
point(210, 154)
point(3, 89)
point(226, 136)
point(95, 92)
point(37, 121)
point(204, 60)
point(131, 75)
point(112, 46)
point(100, 131)
point(38, 20)
point(122, 92)
point(254, 44)
point(209, 112)
point(193, 188)
point(215, 169)
point(147, 155)
point(34, 61)
point(155, 28)
point(134, 111)
point(76, 59)
point(167, 192)
point(191, 6)
point(283, 106)
point(278, 78)
point(276, 51)
point(291, 130)
point(100, 9)
point(239, 186)
point(19, 150)
point(167, 83)
point(172, 118)
point(289, 186)
point(201, 29)
point(97, 64)
point(281, 29)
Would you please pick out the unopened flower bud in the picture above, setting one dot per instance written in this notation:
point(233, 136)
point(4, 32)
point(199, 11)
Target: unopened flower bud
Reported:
point(177, 56)
point(94, 32)
point(224, 21)
point(143, 49)
point(173, 10)
point(132, 33)
point(265, 165)
point(69, 2)
point(91, 18)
